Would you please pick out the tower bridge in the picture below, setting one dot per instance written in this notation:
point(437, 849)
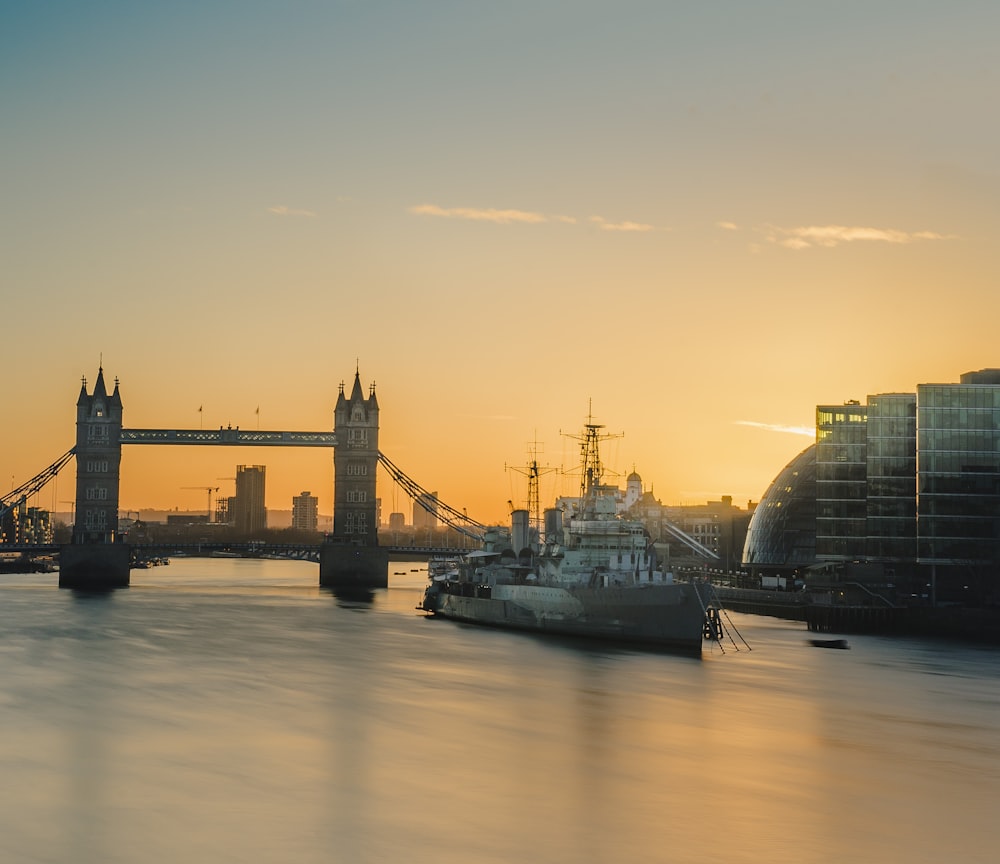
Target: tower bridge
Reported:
point(97, 556)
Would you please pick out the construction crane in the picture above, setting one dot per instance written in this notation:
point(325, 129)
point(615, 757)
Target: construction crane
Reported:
point(209, 490)
point(17, 497)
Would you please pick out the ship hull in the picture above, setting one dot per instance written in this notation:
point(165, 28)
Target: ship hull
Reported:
point(669, 617)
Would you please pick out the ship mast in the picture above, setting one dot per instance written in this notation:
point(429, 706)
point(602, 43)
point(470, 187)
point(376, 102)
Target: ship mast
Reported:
point(591, 468)
point(533, 471)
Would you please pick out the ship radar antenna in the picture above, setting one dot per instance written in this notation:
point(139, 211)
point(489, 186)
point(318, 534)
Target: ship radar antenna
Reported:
point(591, 468)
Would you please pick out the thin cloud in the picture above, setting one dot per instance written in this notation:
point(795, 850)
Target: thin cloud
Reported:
point(529, 217)
point(490, 214)
point(807, 431)
point(809, 236)
point(620, 226)
point(282, 210)
point(727, 226)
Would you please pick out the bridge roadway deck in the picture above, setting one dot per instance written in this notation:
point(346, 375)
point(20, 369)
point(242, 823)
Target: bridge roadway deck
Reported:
point(247, 549)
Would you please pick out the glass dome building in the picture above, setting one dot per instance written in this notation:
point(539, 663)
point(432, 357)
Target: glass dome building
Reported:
point(781, 537)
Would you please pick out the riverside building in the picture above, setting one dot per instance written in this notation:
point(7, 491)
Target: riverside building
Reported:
point(901, 492)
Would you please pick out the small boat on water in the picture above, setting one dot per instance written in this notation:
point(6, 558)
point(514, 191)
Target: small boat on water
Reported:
point(830, 643)
point(593, 574)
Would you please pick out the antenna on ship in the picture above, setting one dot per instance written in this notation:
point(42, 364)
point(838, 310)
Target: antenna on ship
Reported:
point(591, 469)
point(533, 472)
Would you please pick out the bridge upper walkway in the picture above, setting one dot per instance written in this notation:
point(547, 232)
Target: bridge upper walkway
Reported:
point(229, 437)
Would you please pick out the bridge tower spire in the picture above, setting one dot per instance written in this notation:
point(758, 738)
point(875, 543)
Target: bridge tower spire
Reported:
point(351, 558)
point(96, 558)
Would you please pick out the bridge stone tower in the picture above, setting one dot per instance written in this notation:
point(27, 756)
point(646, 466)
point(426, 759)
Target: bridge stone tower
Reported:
point(96, 559)
point(351, 558)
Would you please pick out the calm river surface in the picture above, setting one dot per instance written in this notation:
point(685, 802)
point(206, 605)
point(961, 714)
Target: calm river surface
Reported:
point(231, 711)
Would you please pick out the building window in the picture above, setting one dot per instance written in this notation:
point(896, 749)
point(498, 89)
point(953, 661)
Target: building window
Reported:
point(356, 523)
point(357, 469)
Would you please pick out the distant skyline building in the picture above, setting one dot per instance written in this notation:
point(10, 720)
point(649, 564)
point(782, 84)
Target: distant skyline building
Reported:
point(904, 488)
point(717, 526)
point(305, 511)
point(425, 508)
point(249, 513)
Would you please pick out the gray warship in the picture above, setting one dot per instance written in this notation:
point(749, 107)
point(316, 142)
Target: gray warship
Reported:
point(591, 573)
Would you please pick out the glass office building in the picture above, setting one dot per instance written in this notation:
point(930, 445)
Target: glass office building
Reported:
point(891, 478)
point(908, 482)
point(958, 475)
point(841, 488)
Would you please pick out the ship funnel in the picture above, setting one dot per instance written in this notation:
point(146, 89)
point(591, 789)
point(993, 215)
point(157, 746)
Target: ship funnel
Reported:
point(553, 525)
point(519, 530)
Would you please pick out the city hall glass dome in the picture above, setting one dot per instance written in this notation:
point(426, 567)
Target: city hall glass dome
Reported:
point(782, 531)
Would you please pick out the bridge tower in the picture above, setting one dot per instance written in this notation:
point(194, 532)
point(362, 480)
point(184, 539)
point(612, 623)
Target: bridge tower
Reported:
point(96, 559)
point(351, 557)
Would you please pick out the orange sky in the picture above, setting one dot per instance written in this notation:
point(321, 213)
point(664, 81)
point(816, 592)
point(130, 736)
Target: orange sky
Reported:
point(701, 222)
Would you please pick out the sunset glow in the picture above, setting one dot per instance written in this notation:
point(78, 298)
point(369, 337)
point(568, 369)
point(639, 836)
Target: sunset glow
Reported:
point(700, 221)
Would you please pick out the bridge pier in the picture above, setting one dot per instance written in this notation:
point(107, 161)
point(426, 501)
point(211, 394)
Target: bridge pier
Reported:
point(94, 566)
point(347, 566)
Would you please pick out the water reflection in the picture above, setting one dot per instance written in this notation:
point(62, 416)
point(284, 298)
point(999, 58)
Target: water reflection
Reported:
point(352, 597)
point(229, 711)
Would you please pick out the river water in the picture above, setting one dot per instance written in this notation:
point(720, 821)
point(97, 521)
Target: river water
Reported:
point(231, 711)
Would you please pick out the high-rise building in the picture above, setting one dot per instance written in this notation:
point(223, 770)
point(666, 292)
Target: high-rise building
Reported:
point(891, 478)
point(907, 485)
point(958, 476)
point(840, 481)
point(249, 513)
point(305, 511)
point(425, 508)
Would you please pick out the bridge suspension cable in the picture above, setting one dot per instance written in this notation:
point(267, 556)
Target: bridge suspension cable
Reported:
point(26, 490)
point(451, 517)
